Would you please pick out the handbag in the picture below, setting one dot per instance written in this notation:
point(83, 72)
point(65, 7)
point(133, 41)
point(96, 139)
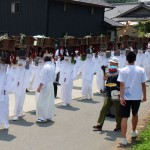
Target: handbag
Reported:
point(115, 94)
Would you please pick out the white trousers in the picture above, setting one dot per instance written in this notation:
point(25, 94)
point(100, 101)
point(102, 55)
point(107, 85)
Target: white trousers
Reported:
point(4, 111)
point(19, 102)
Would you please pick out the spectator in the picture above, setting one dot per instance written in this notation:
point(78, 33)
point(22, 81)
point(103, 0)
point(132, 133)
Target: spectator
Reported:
point(132, 83)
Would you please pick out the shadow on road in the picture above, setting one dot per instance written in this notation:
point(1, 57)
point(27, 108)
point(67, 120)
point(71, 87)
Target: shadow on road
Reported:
point(98, 94)
point(31, 93)
point(148, 81)
point(76, 88)
point(32, 112)
point(21, 122)
point(5, 136)
point(70, 108)
point(111, 135)
point(90, 101)
point(47, 124)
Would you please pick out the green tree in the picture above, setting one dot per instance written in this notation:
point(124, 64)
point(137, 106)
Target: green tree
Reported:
point(143, 27)
point(121, 1)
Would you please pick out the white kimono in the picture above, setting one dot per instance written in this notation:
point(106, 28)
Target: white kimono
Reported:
point(139, 59)
point(122, 60)
point(36, 80)
point(101, 61)
point(4, 99)
point(21, 83)
point(33, 71)
point(87, 77)
point(146, 63)
point(11, 78)
point(45, 103)
point(67, 75)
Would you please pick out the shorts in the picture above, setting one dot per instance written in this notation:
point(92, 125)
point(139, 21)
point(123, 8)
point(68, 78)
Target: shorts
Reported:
point(133, 105)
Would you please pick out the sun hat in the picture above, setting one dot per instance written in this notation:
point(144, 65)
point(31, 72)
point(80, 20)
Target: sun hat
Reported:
point(114, 60)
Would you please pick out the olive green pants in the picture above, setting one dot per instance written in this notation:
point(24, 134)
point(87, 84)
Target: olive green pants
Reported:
point(106, 107)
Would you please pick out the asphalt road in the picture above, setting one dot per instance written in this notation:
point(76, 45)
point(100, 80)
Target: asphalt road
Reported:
point(71, 129)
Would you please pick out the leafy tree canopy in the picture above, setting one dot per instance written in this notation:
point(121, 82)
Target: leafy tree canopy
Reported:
point(143, 28)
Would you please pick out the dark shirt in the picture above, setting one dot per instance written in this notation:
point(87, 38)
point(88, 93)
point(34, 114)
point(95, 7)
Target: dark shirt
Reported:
point(112, 79)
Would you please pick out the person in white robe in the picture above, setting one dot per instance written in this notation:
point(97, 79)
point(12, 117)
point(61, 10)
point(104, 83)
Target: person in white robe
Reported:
point(102, 61)
point(33, 70)
point(4, 98)
point(139, 58)
point(78, 64)
point(67, 75)
point(97, 67)
point(36, 80)
point(122, 59)
point(87, 76)
point(11, 69)
point(45, 102)
point(21, 83)
point(61, 52)
point(146, 63)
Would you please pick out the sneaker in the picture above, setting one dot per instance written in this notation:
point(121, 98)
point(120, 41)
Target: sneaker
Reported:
point(85, 96)
point(97, 128)
point(89, 96)
point(124, 141)
point(21, 115)
point(118, 128)
point(64, 104)
point(15, 118)
point(134, 134)
point(41, 121)
point(27, 91)
point(6, 126)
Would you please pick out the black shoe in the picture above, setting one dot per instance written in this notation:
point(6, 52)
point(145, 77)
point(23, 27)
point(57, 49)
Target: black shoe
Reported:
point(27, 91)
point(97, 128)
point(118, 128)
point(102, 92)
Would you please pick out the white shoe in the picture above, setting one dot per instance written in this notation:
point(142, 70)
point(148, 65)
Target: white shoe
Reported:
point(15, 118)
point(41, 121)
point(6, 126)
point(85, 96)
point(64, 104)
point(89, 96)
point(134, 134)
point(21, 115)
point(124, 141)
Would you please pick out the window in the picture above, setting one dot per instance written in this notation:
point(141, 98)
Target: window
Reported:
point(15, 7)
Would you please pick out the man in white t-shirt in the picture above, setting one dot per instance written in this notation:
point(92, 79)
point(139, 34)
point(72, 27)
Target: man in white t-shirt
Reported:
point(132, 84)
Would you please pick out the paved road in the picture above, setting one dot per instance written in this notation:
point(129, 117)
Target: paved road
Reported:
point(71, 129)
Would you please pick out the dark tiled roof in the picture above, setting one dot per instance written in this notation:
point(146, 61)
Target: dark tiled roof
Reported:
point(119, 9)
point(122, 8)
point(112, 22)
point(98, 3)
point(120, 19)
